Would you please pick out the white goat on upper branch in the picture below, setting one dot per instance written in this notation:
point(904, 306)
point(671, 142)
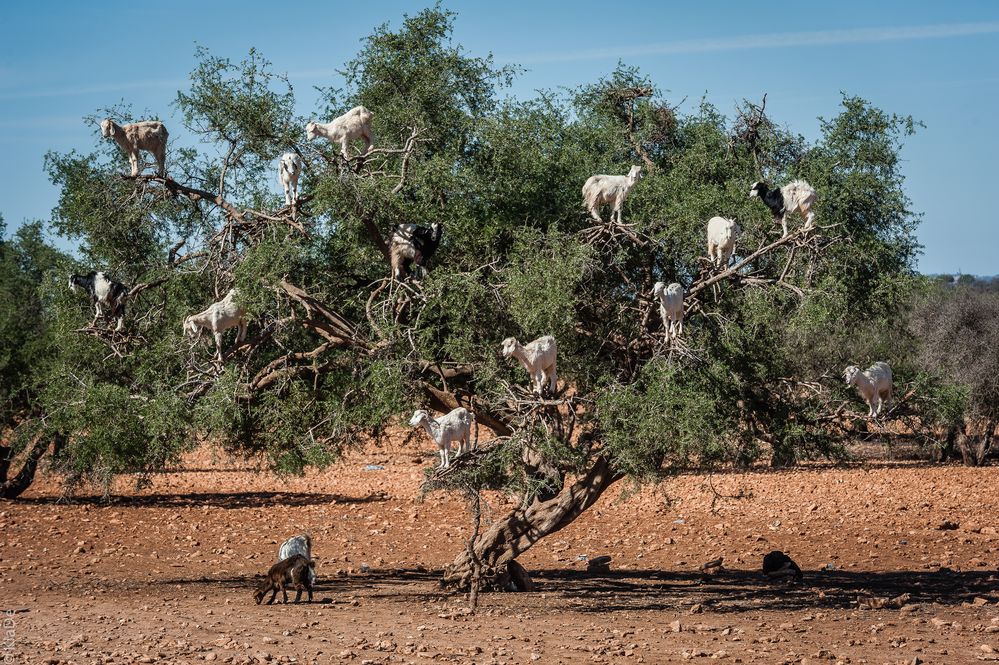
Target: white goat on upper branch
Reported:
point(874, 384)
point(538, 358)
point(354, 124)
point(149, 135)
point(612, 189)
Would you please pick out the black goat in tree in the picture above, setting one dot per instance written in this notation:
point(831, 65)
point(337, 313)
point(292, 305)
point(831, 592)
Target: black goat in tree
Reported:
point(104, 292)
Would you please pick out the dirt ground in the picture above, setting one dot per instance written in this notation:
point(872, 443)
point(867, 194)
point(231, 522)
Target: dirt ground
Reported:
point(166, 574)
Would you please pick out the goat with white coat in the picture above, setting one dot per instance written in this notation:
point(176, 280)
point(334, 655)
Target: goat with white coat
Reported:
point(354, 124)
point(289, 168)
point(103, 292)
point(218, 318)
point(722, 234)
point(539, 358)
point(874, 385)
point(453, 427)
point(796, 195)
point(149, 135)
point(298, 545)
point(670, 307)
point(609, 189)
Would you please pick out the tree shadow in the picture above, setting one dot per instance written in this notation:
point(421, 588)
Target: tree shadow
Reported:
point(736, 591)
point(211, 499)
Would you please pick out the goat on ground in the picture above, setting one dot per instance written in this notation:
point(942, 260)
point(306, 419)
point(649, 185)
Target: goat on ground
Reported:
point(295, 571)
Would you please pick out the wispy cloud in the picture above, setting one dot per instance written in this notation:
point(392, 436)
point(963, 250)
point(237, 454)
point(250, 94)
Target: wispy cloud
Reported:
point(771, 40)
point(71, 91)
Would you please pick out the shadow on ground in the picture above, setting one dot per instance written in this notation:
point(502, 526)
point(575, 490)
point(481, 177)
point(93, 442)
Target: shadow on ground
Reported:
point(212, 499)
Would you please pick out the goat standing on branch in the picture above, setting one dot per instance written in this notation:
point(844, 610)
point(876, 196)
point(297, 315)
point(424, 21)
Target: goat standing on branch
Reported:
point(609, 189)
point(538, 358)
point(218, 318)
point(670, 307)
point(722, 234)
point(289, 168)
point(411, 245)
point(354, 124)
point(797, 195)
point(150, 135)
point(104, 292)
point(874, 385)
point(451, 427)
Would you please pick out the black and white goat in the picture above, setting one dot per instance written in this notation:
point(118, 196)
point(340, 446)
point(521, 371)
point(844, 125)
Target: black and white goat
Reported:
point(796, 195)
point(103, 292)
point(413, 244)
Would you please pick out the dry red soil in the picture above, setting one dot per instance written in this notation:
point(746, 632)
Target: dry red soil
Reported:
point(166, 574)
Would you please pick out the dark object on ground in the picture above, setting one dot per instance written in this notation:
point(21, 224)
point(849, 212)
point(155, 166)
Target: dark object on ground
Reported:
point(600, 564)
point(519, 578)
point(779, 565)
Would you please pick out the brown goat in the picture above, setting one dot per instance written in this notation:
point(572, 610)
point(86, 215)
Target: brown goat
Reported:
point(294, 571)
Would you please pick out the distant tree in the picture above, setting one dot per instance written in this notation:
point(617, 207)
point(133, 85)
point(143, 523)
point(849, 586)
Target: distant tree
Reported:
point(958, 339)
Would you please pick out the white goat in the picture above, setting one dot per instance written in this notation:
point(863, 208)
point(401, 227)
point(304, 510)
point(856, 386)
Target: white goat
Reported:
point(149, 135)
point(670, 307)
point(722, 234)
point(302, 545)
point(451, 427)
point(355, 123)
point(612, 189)
point(538, 358)
point(874, 384)
point(218, 318)
point(795, 195)
point(289, 168)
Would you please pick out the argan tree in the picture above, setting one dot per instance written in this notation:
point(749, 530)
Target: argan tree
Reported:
point(337, 351)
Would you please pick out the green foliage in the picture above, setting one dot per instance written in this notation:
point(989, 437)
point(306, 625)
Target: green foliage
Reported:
point(519, 257)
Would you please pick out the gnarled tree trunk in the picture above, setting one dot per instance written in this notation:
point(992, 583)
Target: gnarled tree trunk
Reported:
point(506, 539)
point(13, 488)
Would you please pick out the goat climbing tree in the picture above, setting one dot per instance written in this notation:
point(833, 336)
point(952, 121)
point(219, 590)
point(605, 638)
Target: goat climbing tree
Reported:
point(338, 352)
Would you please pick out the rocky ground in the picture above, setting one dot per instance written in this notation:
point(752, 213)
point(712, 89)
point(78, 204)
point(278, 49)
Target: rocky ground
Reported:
point(900, 566)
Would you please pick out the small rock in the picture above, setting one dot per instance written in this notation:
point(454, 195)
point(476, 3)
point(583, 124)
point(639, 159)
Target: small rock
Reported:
point(675, 626)
point(696, 608)
point(948, 525)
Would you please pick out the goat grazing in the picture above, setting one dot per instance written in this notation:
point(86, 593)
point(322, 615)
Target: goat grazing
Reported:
point(538, 358)
point(355, 123)
point(295, 571)
point(218, 318)
point(413, 244)
point(874, 384)
point(612, 189)
point(795, 195)
point(103, 292)
point(722, 234)
point(149, 135)
point(670, 307)
point(451, 427)
point(289, 168)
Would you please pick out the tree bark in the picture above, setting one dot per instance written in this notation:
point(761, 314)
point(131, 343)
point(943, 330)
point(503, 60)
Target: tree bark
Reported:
point(13, 488)
point(510, 537)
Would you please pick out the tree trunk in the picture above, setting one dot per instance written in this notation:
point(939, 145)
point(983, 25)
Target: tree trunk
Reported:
point(11, 489)
point(510, 537)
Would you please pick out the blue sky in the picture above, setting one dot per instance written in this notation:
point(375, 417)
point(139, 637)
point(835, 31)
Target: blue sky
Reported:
point(936, 61)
